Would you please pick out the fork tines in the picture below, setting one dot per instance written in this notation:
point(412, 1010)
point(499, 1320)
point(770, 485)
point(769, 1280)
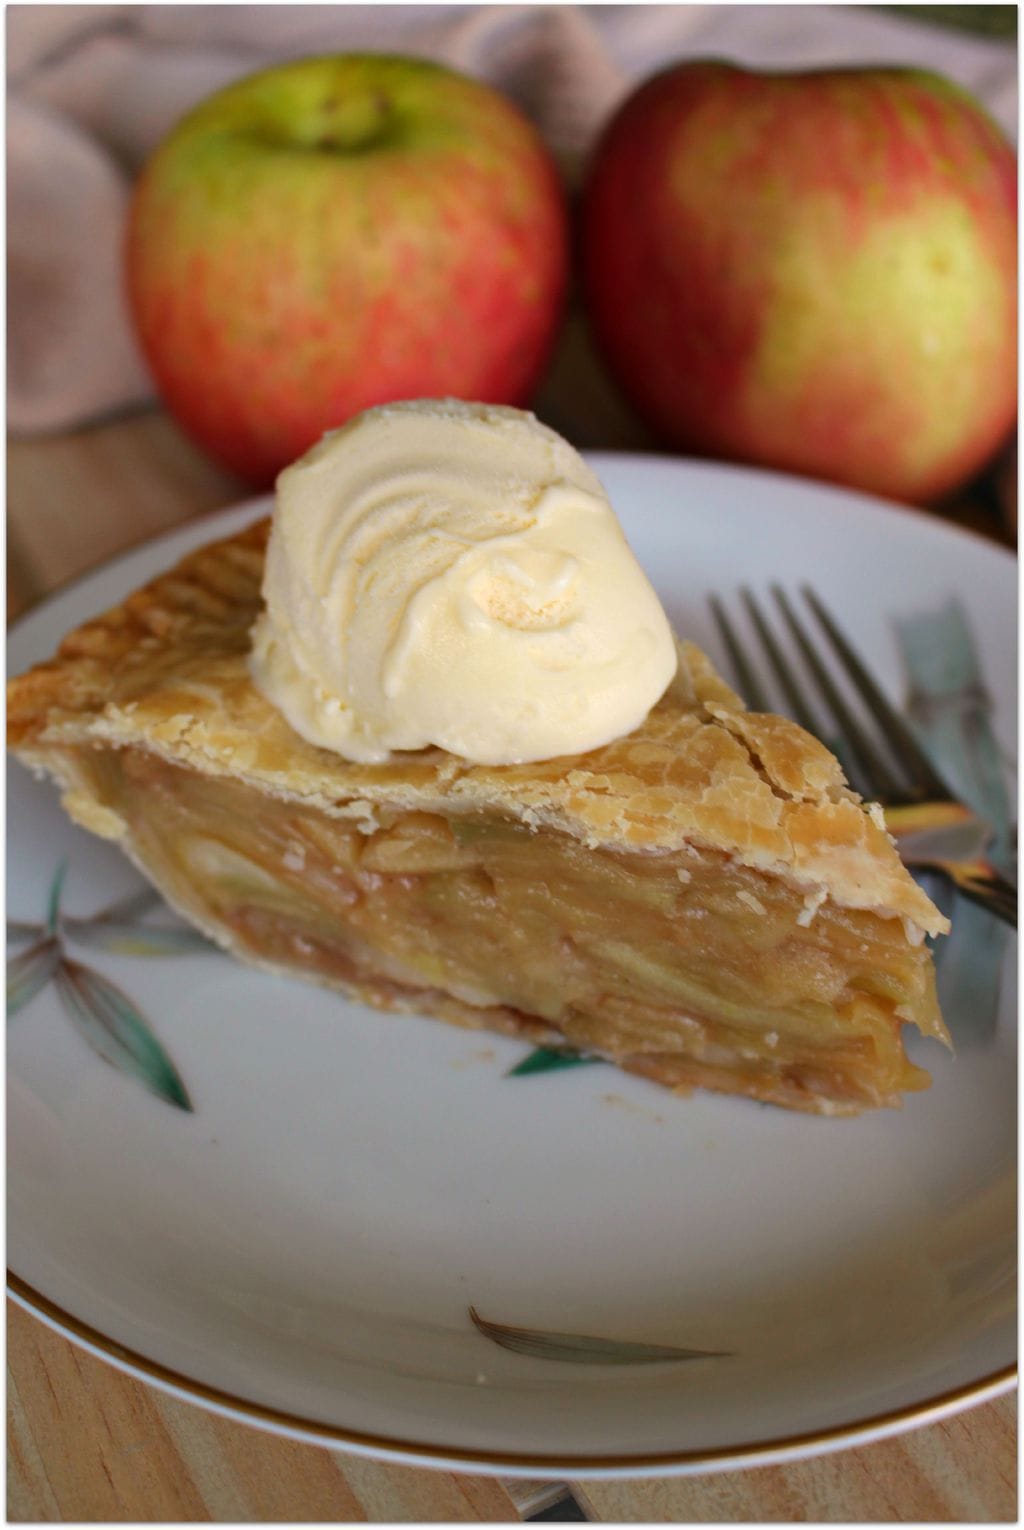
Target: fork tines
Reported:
point(901, 773)
point(893, 771)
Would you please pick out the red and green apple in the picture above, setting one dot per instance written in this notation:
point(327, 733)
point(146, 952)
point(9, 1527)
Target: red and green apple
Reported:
point(814, 272)
point(341, 232)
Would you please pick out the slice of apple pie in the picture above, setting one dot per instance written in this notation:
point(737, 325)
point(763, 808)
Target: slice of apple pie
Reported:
point(703, 902)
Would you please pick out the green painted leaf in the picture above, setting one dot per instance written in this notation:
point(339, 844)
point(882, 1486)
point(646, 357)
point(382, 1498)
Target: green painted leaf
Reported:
point(117, 1030)
point(126, 939)
point(53, 901)
point(585, 1349)
point(17, 929)
point(546, 1060)
point(30, 971)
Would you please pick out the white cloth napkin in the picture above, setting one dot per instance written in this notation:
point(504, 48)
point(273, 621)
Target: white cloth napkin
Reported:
point(92, 90)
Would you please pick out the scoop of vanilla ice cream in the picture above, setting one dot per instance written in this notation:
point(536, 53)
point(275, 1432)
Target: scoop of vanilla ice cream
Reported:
point(453, 574)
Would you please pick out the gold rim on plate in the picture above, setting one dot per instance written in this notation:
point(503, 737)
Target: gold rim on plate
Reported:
point(276, 1420)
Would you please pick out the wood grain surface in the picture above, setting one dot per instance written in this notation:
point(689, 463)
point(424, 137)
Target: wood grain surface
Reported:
point(88, 1444)
point(963, 1470)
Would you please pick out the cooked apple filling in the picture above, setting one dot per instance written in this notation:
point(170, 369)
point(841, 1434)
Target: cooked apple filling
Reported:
point(685, 966)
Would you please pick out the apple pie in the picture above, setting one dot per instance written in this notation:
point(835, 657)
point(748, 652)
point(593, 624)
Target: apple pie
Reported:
point(703, 902)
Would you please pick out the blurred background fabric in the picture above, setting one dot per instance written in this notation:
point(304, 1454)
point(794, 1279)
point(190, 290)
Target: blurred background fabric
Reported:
point(93, 88)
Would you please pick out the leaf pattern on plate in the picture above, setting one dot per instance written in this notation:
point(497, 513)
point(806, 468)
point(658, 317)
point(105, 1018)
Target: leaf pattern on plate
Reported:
point(111, 1023)
point(547, 1060)
point(586, 1349)
point(53, 899)
point(30, 971)
point(118, 1032)
point(125, 939)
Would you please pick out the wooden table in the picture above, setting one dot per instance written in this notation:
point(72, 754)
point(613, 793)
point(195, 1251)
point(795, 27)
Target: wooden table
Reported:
point(87, 1443)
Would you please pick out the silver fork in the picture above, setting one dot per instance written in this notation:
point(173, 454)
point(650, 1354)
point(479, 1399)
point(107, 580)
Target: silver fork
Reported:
point(932, 828)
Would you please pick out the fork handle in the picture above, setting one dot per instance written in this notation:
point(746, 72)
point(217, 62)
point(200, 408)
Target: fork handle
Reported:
point(984, 886)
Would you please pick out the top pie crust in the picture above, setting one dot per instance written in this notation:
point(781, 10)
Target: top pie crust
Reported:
point(167, 671)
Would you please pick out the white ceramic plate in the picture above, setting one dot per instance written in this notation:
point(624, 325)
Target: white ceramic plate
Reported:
point(302, 1249)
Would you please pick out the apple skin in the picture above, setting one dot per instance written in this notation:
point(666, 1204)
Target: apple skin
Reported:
point(812, 272)
point(340, 232)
